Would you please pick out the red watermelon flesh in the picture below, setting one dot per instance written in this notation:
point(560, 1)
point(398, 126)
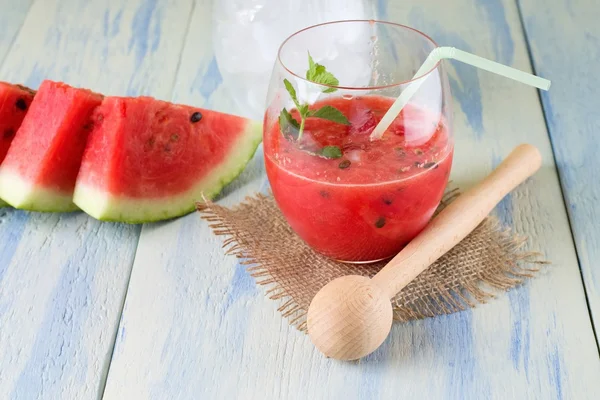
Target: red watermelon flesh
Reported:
point(148, 159)
point(14, 103)
point(41, 166)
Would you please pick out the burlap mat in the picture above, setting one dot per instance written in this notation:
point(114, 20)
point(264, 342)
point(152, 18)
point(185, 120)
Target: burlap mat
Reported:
point(488, 260)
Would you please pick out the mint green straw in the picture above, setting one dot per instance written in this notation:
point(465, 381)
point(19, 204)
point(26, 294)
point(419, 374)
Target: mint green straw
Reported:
point(441, 53)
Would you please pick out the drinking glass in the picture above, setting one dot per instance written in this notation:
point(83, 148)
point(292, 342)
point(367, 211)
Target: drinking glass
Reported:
point(349, 197)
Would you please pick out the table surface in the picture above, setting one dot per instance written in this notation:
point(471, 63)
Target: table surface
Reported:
point(91, 310)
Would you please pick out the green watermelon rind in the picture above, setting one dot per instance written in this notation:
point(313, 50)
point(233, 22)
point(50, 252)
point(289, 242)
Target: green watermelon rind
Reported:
point(19, 193)
point(105, 207)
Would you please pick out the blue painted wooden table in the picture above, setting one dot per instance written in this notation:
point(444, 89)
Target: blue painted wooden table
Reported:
point(91, 310)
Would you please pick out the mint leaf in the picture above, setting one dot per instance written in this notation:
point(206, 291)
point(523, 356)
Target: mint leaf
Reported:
point(317, 73)
point(287, 124)
point(331, 114)
point(292, 92)
point(312, 67)
point(331, 152)
point(327, 78)
point(303, 110)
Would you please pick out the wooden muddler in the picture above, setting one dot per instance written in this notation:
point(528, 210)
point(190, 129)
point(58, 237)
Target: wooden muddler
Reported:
point(351, 316)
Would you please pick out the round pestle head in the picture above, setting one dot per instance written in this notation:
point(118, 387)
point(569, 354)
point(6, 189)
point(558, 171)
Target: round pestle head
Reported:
point(349, 318)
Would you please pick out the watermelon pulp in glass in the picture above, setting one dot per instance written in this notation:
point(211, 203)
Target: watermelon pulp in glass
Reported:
point(149, 160)
point(42, 162)
point(367, 204)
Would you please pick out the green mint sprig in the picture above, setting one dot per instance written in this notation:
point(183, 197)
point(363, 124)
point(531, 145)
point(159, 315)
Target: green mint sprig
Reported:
point(316, 73)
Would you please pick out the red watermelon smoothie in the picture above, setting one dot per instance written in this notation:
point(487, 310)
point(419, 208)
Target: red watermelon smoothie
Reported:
point(370, 202)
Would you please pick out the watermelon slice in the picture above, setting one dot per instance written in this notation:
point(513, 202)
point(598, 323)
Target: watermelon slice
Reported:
point(149, 160)
point(41, 165)
point(14, 103)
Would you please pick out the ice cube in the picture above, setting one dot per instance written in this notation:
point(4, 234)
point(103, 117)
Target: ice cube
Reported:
point(362, 120)
point(353, 155)
point(417, 124)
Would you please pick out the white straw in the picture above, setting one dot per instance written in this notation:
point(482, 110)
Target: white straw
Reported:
point(442, 53)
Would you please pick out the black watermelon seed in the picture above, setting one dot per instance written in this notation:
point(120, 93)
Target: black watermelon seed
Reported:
point(197, 116)
point(324, 194)
point(387, 201)
point(380, 222)
point(418, 164)
point(345, 164)
point(9, 133)
point(88, 126)
point(21, 105)
point(174, 137)
point(429, 165)
point(150, 142)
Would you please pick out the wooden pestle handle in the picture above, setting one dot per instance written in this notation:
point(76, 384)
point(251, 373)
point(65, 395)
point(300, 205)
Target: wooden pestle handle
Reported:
point(457, 220)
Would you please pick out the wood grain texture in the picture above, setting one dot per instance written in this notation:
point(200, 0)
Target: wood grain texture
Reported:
point(565, 42)
point(63, 277)
point(196, 326)
point(11, 19)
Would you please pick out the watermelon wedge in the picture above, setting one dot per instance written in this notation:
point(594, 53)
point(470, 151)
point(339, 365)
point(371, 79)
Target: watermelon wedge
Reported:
point(14, 103)
point(41, 165)
point(149, 160)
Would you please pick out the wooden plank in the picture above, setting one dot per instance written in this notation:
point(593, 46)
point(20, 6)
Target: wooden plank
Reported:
point(63, 277)
point(196, 326)
point(568, 55)
point(11, 19)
